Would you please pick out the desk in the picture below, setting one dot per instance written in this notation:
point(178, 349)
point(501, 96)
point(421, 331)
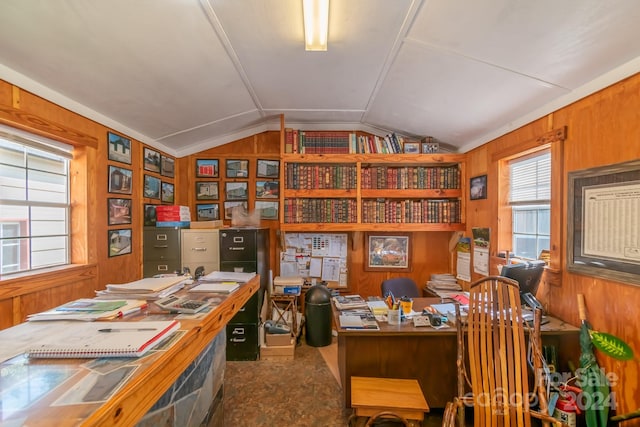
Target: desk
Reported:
point(154, 374)
point(424, 353)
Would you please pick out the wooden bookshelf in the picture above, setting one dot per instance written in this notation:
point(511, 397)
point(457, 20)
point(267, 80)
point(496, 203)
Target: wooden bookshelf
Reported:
point(371, 191)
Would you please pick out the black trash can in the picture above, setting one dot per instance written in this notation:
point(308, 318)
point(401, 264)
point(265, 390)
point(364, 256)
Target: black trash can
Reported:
point(317, 311)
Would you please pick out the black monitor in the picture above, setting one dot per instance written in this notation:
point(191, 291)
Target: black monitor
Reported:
point(527, 274)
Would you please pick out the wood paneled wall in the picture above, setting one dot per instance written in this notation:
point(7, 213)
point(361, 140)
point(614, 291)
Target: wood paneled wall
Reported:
point(602, 129)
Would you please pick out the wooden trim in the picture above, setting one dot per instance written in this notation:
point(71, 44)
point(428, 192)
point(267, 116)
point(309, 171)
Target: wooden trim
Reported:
point(34, 282)
point(547, 138)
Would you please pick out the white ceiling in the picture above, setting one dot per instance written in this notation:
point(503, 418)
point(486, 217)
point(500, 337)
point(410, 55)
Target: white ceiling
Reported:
point(187, 75)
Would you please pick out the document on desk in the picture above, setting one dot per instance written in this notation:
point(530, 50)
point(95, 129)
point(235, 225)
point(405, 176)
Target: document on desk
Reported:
point(227, 276)
point(216, 287)
point(356, 321)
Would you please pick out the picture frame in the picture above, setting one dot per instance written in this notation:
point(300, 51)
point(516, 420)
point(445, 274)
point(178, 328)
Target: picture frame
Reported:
point(167, 192)
point(207, 168)
point(120, 180)
point(208, 212)
point(119, 211)
point(149, 219)
point(478, 187)
point(236, 190)
point(267, 189)
point(230, 206)
point(412, 148)
point(430, 147)
point(119, 148)
point(207, 190)
point(151, 160)
point(119, 242)
point(167, 166)
point(268, 168)
point(600, 215)
point(387, 252)
point(268, 210)
point(236, 168)
point(152, 187)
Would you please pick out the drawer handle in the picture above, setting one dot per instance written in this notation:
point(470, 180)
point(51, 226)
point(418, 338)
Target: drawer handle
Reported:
point(163, 267)
point(238, 340)
point(238, 331)
point(236, 248)
point(161, 237)
point(199, 249)
point(161, 246)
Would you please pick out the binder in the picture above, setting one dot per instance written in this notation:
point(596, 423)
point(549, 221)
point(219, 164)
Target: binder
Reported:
point(103, 339)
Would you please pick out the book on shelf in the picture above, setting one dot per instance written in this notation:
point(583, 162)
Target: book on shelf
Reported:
point(103, 339)
point(90, 310)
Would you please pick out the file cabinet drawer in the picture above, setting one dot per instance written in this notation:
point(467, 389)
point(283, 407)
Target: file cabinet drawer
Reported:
point(249, 312)
point(242, 341)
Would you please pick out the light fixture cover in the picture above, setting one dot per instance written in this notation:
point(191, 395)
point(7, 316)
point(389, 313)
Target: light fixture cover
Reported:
point(316, 24)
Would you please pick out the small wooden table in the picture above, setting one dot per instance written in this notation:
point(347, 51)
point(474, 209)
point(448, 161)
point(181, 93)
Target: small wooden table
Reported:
point(370, 396)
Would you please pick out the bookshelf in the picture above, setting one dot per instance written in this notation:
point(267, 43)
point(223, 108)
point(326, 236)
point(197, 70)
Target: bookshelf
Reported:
point(367, 191)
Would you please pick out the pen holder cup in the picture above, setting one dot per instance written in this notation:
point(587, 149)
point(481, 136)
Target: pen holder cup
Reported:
point(393, 316)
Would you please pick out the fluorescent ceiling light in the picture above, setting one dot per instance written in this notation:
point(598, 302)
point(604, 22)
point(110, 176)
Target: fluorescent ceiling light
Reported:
point(316, 24)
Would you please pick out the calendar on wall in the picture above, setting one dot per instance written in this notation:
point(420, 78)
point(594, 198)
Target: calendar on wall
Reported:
point(316, 257)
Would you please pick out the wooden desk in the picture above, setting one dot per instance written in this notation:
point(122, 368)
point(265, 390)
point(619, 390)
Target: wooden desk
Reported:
point(154, 374)
point(424, 353)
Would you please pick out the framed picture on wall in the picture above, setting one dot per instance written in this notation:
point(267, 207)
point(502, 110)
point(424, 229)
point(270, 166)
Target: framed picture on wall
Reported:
point(237, 168)
point(478, 187)
point(231, 207)
point(151, 160)
point(268, 169)
point(119, 211)
point(167, 166)
point(236, 190)
point(207, 168)
point(119, 242)
point(268, 210)
point(119, 148)
point(167, 192)
point(267, 189)
point(120, 180)
point(151, 187)
point(208, 212)
point(149, 215)
point(207, 190)
point(387, 252)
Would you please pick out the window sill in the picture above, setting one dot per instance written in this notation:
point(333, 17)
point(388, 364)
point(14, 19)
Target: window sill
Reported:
point(45, 279)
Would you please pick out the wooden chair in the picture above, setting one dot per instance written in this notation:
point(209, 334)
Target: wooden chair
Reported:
point(497, 355)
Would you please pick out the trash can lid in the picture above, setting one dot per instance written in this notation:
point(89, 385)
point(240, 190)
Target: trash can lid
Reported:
point(318, 294)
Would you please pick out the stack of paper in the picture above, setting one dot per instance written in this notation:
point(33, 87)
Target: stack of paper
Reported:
point(346, 302)
point(227, 276)
point(90, 309)
point(216, 287)
point(150, 288)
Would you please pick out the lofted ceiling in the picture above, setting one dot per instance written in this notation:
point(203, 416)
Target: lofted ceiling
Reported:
point(188, 75)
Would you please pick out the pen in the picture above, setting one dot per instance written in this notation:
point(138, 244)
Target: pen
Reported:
point(126, 329)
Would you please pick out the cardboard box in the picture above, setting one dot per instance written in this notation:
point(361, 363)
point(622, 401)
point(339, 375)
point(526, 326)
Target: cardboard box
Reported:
point(207, 224)
point(277, 339)
point(278, 352)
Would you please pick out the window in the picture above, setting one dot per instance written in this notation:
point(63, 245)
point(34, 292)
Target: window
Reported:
point(34, 202)
point(530, 202)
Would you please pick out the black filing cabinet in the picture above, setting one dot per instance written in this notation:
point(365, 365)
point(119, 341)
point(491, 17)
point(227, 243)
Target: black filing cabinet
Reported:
point(246, 250)
point(161, 250)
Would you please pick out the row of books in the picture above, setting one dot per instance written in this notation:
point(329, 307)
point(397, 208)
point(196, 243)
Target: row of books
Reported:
point(341, 142)
point(418, 177)
point(300, 175)
point(298, 211)
point(423, 211)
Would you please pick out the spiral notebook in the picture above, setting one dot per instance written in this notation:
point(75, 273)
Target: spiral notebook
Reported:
point(103, 339)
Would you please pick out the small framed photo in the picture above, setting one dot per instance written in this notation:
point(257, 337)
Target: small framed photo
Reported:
point(231, 207)
point(207, 190)
point(411, 147)
point(119, 211)
point(119, 242)
point(120, 180)
point(236, 190)
point(151, 187)
point(151, 160)
point(430, 147)
point(268, 169)
point(237, 168)
point(207, 168)
point(267, 189)
point(149, 215)
point(167, 192)
point(478, 187)
point(119, 148)
point(268, 210)
point(167, 166)
point(208, 212)
point(387, 252)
